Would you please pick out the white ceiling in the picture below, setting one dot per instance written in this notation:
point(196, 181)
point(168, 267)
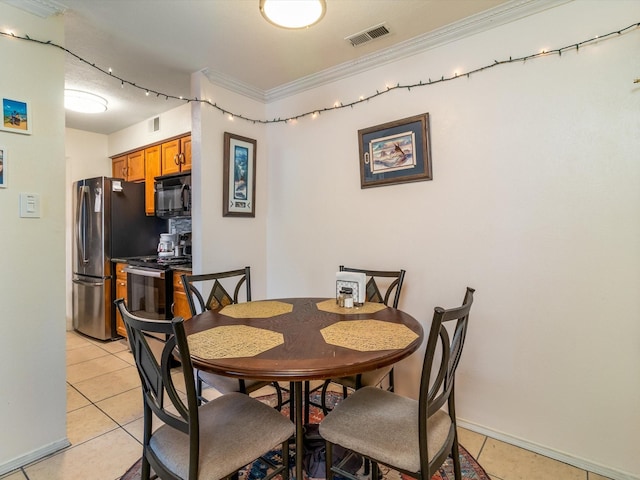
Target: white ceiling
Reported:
point(158, 44)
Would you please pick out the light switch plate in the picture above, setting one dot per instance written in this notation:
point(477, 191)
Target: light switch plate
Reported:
point(30, 205)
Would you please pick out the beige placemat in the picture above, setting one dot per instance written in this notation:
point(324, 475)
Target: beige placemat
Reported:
point(261, 309)
point(332, 307)
point(233, 341)
point(368, 335)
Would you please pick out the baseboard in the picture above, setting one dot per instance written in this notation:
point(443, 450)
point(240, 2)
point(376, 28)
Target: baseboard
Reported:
point(548, 452)
point(34, 455)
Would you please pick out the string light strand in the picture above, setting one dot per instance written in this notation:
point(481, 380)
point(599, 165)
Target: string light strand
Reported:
point(339, 105)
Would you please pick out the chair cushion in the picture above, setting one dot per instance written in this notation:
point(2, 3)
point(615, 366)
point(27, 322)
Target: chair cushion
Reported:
point(384, 426)
point(227, 384)
point(235, 429)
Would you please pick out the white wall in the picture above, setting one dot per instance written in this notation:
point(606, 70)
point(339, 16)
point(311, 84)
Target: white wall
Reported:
point(86, 155)
point(225, 243)
point(173, 122)
point(535, 203)
point(32, 344)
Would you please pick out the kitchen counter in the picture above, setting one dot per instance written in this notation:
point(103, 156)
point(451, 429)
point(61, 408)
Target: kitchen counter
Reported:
point(151, 261)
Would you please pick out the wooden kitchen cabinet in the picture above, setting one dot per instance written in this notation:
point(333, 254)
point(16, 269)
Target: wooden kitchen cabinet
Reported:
point(152, 170)
point(135, 166)
point(119, 167)
point(186, 150)
point(164, 158)
point(121, 292)
point(176, 155)
point(180, 307)
point(130, 167)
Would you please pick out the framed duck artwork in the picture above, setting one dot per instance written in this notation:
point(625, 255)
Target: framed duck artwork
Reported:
point(395, 152)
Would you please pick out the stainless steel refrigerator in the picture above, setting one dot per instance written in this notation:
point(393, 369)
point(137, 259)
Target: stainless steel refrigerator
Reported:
point(109, 222)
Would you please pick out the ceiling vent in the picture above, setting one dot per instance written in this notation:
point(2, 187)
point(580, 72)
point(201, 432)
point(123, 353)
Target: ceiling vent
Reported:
point(369, 34)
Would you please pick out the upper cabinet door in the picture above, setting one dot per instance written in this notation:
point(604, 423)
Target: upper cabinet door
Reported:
point(185, 144)
point(176, 155)
point(171, 157)
point(119, 167)
point(135, 167)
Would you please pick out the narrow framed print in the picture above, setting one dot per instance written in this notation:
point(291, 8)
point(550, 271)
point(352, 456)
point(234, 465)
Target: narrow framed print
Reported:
point(239, 179)
point(3, 167)
point(395, 152)
point(16, 116)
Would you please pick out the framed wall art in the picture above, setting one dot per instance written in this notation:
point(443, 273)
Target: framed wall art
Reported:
point(239, 179)
point(395, 152)
point(16, 116)
point(3, 167)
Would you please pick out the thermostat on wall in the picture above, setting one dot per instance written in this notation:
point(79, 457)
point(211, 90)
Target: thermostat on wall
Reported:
point(30, 205)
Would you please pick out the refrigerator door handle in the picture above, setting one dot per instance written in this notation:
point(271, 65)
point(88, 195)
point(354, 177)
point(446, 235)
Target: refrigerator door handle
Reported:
point(82, 224)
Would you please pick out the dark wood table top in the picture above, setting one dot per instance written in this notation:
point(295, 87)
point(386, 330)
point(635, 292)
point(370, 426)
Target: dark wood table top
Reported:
point(303, 353)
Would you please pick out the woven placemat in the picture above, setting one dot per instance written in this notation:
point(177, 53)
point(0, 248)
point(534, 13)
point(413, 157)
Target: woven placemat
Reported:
point(368, 335)
point(332, 307)
point(261, 309)
point(233, 341)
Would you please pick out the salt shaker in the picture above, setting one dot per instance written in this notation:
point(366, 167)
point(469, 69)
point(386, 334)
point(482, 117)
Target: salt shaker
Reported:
point(348, 297)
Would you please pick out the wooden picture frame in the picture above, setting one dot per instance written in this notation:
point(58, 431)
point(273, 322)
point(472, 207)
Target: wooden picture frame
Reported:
point(239, 176)
point(395, 152)
point(16, 116)
point(3, 167)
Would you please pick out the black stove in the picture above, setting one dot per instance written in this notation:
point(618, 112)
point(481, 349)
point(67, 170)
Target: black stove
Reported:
point(160, 263)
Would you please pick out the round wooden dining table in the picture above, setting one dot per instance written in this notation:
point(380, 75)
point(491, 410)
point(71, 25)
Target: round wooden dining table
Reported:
point(300, 339)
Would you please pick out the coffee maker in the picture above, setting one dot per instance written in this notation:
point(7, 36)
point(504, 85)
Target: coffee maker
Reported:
point(167, 245)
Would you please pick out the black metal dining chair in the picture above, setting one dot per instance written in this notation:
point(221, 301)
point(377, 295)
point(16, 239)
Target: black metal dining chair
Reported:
point(218, 297)
point(212, 441)
point(378, 281)
point(414, 437)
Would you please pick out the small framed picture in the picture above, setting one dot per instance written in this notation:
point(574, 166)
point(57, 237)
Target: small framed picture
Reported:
point(395, 152)
point(16, 116)
point(239, 176)
point(3, 167)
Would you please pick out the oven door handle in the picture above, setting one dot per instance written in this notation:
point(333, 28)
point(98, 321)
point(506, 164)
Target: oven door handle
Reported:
point(145, 272)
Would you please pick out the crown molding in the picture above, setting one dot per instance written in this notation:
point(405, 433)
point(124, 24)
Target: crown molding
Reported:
point(500, 15)
point(483, 21)
point(41, 8)
point(230, 83)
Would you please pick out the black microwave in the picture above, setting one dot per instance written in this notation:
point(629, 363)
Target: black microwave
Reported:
point(173, 195)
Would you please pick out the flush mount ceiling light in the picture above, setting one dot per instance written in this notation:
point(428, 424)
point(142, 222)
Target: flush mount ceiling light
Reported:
point(293, 13)
point(84, 102)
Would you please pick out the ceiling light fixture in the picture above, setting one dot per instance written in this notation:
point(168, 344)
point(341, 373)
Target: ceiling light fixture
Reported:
point(293, 13)
point(84, 102)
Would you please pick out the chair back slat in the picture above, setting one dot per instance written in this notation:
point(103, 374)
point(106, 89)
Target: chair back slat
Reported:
point(373, 291)
point(218, 295)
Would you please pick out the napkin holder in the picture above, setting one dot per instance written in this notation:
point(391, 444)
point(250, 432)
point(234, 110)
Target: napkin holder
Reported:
point(357, 282)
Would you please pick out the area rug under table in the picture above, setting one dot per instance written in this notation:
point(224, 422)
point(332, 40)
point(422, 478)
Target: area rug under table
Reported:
point(471, 470)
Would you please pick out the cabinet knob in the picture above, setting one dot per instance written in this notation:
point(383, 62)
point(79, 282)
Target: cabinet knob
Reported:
point(181, 159)
point(176, 159)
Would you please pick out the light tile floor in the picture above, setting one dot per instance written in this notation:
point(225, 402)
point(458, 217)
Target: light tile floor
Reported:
point(104, 426)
